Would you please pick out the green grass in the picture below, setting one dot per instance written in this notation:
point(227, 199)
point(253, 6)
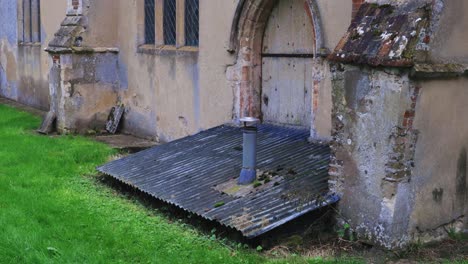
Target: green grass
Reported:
point(51, 212)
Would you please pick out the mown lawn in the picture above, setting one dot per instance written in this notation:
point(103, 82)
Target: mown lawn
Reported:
point(52, 210)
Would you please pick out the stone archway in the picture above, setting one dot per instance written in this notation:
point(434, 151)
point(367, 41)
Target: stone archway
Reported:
point(247, 33)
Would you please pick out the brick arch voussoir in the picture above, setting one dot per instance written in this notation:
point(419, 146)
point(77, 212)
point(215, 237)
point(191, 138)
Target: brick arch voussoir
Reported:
point(247, 33)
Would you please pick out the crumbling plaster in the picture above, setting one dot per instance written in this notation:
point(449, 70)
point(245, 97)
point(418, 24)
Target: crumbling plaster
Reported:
point(86, 77)
point(9, 79)
point(85, 86)
point(400, 142)
point(369, 109)
point(174, 93)
point(171, 93)
point(24, 66)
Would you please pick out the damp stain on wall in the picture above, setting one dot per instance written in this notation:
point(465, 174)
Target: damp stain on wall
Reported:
point(461, 179)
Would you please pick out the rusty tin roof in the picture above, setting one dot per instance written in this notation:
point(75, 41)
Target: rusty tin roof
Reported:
point(198, 174)
point(385, 35)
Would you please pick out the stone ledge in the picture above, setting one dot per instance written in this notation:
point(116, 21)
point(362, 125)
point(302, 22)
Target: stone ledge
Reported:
point(166, 50)
point(436, 71)
point(30, 44)
point(81, 50)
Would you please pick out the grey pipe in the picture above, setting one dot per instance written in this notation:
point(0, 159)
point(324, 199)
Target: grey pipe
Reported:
point(249, 158)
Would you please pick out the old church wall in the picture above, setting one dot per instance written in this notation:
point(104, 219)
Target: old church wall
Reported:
point(399, 143)
point(373, 150)
point(85, 76)
point(439, 183)
point(161, 92)
point(399, 132)
point(245, 75)
point(450, 32)
point(24, 65)
point(173, 92)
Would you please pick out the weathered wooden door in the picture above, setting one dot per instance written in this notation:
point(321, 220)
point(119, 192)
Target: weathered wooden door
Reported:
point(288, 46)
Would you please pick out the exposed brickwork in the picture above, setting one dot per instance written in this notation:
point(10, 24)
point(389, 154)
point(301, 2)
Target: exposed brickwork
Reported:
point(76, 4)
point(252, 23)
point(336, 170)
point(316, 96)
point(56, 59)
point(356, 5)
point(255, 18)
point(404, 144)
point(402, 138)
point(410, 114)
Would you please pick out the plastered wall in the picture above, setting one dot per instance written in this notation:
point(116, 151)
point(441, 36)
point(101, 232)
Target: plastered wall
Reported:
point(439, 183)
point(169, 93)
point(373, 148)
point(9, 80)
point(335, 19)
point(448, 44)
point(174, 93)
point(24, 68)
point(401, 150)
point(162, 94)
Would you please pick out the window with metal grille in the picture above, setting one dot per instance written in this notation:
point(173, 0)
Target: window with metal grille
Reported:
point(149, 22)
point(169, 22)
point(30, 30)
point(191, 22)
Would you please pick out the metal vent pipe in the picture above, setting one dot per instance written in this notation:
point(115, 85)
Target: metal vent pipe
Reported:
point(249, 151)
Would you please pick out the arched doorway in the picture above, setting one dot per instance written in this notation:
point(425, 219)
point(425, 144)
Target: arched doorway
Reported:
point(254, 30)
point(287, 66)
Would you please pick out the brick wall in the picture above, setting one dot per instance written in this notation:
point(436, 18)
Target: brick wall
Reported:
point(404, 140)
point(75, 7)
point(75, 4)
point(356, 5)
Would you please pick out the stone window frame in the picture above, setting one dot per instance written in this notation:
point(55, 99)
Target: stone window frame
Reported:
point(29, 22)
point(159, 47)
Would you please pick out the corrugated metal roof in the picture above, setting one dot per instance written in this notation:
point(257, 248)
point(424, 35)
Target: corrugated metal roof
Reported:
point(198, 174)
point(385, 35)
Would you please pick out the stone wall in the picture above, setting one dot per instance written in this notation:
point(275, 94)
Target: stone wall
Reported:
point(84, 88)
point(373, 145)
point(399, 144)
point(400, 138)
point(399, 154)
point(85, 78)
